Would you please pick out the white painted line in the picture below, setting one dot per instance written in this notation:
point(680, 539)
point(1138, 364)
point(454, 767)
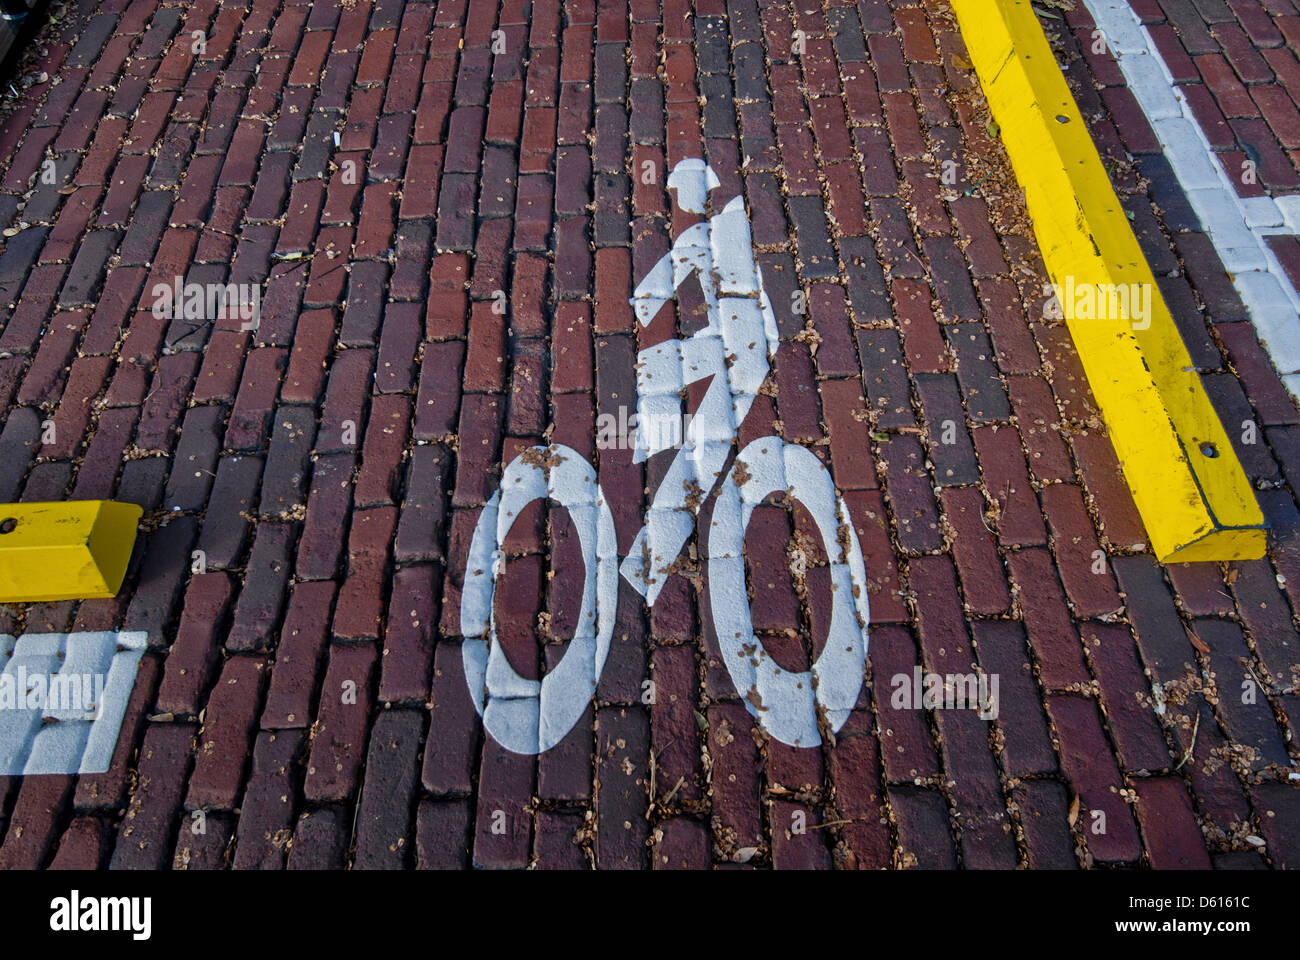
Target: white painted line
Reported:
point(62, 700)
point(1236, 226)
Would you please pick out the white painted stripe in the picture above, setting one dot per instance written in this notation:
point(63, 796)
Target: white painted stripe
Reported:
point(42, 733)
point(1236, 226)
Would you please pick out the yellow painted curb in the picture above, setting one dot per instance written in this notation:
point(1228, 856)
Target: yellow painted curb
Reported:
point(64, 551)
point(1190, 488)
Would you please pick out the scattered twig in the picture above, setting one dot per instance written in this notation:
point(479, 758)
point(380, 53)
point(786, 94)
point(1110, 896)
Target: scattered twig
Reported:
point(677, 786)
point(1188, 754)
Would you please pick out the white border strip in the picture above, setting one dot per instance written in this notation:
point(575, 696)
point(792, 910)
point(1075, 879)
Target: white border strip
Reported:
point(39, 737)
point(1235, 225)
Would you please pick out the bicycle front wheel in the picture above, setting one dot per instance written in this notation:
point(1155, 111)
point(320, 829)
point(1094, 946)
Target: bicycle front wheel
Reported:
point(786, 702)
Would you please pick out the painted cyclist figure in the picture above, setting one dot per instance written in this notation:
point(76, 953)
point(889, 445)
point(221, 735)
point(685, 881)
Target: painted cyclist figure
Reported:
point(734, 348)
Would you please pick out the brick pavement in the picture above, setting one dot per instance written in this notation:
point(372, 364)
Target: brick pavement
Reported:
point(394, 174)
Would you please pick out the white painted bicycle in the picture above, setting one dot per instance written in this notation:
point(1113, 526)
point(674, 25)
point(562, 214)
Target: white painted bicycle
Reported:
point(735, 348)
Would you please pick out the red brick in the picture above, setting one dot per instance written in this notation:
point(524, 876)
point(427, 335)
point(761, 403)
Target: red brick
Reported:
point(34, 822)
point(251, 415)
point(910, 489)
point(1227, 89)
point(924, 832)
point(310, 58)
point(343, 412)
point(505, 788)
point(84, 845)
point(906, 744)
point(144, 836)
point(194, 652)
point(266, 810)
point(313, 340)
point(854, 766)
point(1280, 112)
point(848, 208)
point(1124, 692)
point(847, 424)
point(871, 525)
point(681, 843)
point(420, 187)
point(1026, 746)
point(613, 313)
point(1044, 807)
point(735, 778)
point(1052, 634)
point(1242, 53)
point(448, 303)
point(1084, 567)
point(922, 340)
point(388, 798)
point(1090, 767)
point(861, 94)
point(302, 641)
point(1108, 489)
point(327, 514)
point(1040, 426)
point(360, 607)
point(537, 143)
point(398, 348)
point(1173, 837)
point(983, 581)
point(228, 722)
point(1018, 519)
point(342, 719)
point(835, 355)
point(381, 453)
point(437, 404)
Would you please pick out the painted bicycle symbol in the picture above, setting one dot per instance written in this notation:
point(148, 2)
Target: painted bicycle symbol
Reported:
point(735, 349)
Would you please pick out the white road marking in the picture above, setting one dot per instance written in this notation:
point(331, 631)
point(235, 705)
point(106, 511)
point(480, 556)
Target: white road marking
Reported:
point(784, 702)
point(527, 716)
point(734, 350)
point(1236, 226)
point(43, 731)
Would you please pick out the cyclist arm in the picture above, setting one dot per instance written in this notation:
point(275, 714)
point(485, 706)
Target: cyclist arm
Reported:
point(654, 290)
point(690, 252)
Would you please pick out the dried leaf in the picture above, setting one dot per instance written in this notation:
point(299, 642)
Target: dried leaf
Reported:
point(1197, 642)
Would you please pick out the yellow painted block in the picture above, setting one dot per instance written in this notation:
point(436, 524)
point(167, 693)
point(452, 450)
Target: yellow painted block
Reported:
point(1194, 497)
point(64, 551)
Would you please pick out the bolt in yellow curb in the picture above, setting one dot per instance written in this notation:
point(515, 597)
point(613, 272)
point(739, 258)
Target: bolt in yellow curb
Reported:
point(1189, 487)
point(64, 551)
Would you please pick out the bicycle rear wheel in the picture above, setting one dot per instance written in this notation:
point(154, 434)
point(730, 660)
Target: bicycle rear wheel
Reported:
point(528, 716)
